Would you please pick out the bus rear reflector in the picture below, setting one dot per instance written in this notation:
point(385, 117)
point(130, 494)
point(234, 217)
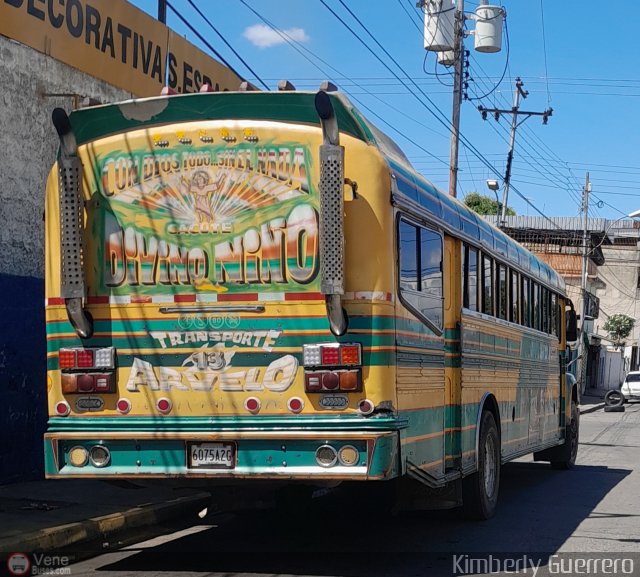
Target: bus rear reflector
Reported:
point(123, 405)
point(63, 408)
point(164, 405)
point(295, 404)
point(252, 404)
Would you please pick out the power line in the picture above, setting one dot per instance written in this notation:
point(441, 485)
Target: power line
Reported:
point(210, 24)
point(544, 45)
point(204, 40)
point(298, 47)
point(463, 139)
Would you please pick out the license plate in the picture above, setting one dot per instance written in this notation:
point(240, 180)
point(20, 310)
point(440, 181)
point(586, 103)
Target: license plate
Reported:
point(212, 455)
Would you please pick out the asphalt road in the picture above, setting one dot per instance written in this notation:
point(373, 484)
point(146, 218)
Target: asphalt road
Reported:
point(592, 509)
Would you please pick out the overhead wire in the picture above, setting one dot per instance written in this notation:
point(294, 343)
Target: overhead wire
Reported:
point(544, 46)
point(227, 44)
point(203, 40)
point(299, 48)
point(438, 115)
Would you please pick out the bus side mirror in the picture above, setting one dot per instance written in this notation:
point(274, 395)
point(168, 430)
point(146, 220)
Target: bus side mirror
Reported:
point(572, 325)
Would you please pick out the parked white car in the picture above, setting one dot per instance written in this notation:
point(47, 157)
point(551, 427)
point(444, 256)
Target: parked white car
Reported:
point(631, 386)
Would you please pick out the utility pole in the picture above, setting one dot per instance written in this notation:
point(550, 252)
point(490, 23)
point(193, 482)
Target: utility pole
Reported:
point(457, 97)
point(582, 349)
point(162, 11)
point(515, 112)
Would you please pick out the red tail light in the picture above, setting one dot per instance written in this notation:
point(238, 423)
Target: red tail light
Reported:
point(84, 359)
point(330, 355)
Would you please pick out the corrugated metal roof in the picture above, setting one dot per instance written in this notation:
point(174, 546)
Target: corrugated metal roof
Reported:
point(625, 227)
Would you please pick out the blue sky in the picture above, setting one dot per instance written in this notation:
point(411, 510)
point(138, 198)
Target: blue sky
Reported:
point(580, 59)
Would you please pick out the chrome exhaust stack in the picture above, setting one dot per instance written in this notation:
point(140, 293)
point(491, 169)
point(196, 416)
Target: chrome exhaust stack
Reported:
point(72, 284)
point(331, 215)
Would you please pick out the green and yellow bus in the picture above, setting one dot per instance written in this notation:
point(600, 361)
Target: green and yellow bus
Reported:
point(259, 287)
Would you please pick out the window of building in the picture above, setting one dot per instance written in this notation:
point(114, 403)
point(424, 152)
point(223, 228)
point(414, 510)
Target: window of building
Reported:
point(421, 272)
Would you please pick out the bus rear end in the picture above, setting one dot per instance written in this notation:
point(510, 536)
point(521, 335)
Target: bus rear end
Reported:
point(200, 320)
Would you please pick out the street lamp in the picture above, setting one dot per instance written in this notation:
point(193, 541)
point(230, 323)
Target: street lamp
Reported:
point(494, 185)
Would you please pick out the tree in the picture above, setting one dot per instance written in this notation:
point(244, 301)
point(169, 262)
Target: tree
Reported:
point(619, 328)
point(485, 204)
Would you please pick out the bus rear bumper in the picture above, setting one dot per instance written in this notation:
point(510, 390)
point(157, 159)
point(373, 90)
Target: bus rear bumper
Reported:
point(275, 455)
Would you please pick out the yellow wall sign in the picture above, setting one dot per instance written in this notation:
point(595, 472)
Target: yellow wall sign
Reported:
point(113, 41)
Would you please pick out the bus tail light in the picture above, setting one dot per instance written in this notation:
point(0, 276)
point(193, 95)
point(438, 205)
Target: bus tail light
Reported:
point(84, 359)
point(82, 383)
point(73, 358)
point(332, 367)
point(332, 355)
point(87, 370)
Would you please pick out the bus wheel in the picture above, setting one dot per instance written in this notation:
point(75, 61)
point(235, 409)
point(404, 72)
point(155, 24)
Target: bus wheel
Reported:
point(480, 490)
point(568, 451)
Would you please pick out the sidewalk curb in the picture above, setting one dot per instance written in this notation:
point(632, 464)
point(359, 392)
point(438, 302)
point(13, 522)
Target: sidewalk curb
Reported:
point(53, 538)
point(591, 409)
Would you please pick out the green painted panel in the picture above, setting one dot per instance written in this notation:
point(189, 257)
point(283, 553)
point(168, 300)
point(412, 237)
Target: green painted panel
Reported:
point(294, 107)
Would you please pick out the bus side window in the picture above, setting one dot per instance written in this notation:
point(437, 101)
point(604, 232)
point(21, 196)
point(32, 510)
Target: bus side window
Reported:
point(526, 302)
point(502, 291)
point(470, 272)
point(408, 256)
point(553, 309)
point(421, 272)
point(544, 309)
point(487, 285)
point(536, 305)
point(514, 311)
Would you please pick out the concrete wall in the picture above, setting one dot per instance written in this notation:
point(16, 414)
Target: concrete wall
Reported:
point(620, 293)
point(32, 86)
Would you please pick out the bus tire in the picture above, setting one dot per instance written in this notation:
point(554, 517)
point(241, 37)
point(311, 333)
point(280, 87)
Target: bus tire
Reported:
point(480, 490)
point(614, 398)
point(564, 456)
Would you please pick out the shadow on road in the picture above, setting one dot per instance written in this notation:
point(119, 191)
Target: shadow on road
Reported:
point(539, 509)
